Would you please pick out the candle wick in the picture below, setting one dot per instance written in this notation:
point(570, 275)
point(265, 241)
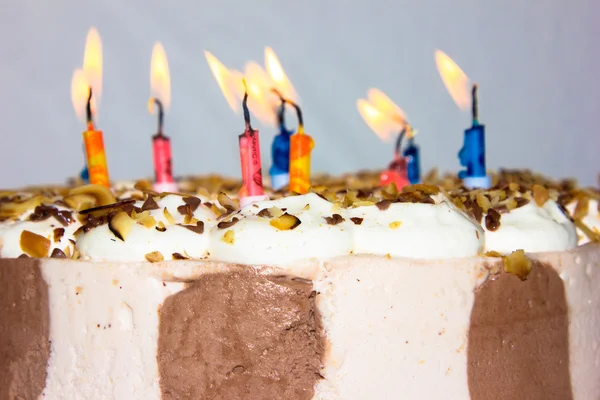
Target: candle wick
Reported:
point(245, 108)
point(475, 105)
point(399, 140)
point(161, 115)
point(280, 109)
point(88, 109)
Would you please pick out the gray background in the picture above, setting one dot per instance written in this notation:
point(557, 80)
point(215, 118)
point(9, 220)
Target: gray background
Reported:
point(536, 63)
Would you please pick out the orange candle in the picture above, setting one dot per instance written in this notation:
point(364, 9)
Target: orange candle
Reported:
point(94, 150)
point(301, 146)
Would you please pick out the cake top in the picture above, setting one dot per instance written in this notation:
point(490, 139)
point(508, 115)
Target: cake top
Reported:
point(347, 214)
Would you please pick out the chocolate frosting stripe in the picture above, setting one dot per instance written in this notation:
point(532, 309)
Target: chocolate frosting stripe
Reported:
point(24, 329)
point(518, 344)
point(241, 335)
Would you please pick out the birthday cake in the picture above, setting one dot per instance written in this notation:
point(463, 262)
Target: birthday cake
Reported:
point(346, 292)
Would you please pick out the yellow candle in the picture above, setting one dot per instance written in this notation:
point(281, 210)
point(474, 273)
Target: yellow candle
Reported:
point(301, 146)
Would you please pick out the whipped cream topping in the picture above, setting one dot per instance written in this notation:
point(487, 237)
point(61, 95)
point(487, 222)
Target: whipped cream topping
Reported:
point(591, 220)
point(49, 228)
point(416, 230)
point(532, 229)
point(253, 240)
point(326, 230)
point(101, 244)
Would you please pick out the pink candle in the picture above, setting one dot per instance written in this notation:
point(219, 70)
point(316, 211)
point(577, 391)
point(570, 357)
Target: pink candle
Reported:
point(161, 150)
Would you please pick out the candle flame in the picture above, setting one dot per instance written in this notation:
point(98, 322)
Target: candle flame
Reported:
point(261, 100)
point(230, 82)
point(278, 77)
point(90, 75)
point(160, 79)
point(456, 81)
point(381, 114)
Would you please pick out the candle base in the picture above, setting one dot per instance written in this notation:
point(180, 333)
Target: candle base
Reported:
point(477, 182)
point(279, 181)
point(171, 187)
point(244, 201)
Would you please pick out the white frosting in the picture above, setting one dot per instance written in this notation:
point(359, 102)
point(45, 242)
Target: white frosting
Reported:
point(396, 328)
point(417, 231)
point(101, 244)
point(103, 330)
point(255, 241)
point(533, 229)
point(591, 220)
point(10, 234)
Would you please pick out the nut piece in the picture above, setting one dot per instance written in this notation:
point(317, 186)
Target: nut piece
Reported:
point(517, 263)
point(395, 224)
point(229, 237)
point(155, 256)
point(540, 195)
point(168, 216)
point(58, 234)
point(285, 222)
point(227, 202)
point(14, 209)
point(34, 245)
point(582, 208)
point(102, 194)
point(80, 202)
point(120, 225)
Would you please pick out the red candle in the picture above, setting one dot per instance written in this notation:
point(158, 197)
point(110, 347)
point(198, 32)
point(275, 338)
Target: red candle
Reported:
point(252, 187)
point(161, 150)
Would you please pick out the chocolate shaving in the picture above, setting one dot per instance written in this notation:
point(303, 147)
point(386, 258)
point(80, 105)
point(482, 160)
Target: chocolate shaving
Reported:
point(23, 256)
point(521, 201)
point(161, 228)
point(473, 208)
point(119, 205)
point(383, 204)
point(492, 220)
point(177, 256)
point(65, 217)
point(58, 234)
point(58, 253)
point(185, 209)
point(198, 228)
point(334, 219)
point(150, 204)
point(265, 213)
point(192, 201)
point(227, 224)
point(356, 220)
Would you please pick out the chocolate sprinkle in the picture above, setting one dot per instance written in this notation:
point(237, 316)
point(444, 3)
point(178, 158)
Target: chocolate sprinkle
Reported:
point(58, 253)
point(198, 228)
point(123, 205)
point(356, 220)
point(150, 204)
point(227, 224)
point(185, 209)
point(383, 204)
point(192, 201)
point(334, 219)
point(492, 220)
point(58, 234)
point(265, 213)
point(177, 256)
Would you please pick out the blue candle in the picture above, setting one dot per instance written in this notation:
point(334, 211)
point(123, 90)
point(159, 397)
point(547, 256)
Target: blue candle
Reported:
point(280, 153)
point(472, 154)
point(84, 175)
point(413, 168)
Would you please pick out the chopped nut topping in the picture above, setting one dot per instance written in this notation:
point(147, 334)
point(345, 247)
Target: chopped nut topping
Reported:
point(285, 222)
point(540, 195)
point(120, 225)
point(582, 208)
point(227, 202)
point(395, 224)
point(161, 227)
point(229, 237)
point(264, 213)
point(168, 216)
point(155, 256)
point(492, 254)
point(334, 219)
point(517, 263)
point(34, 245)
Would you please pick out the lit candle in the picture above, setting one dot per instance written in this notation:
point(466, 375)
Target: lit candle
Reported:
point(301, 146)
point(160, 83)
point(472, 154)
point(385, 118)
point(94, 149)
point(84, 174)
point(252, 187)
point(86, 87)
point(280, 152)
